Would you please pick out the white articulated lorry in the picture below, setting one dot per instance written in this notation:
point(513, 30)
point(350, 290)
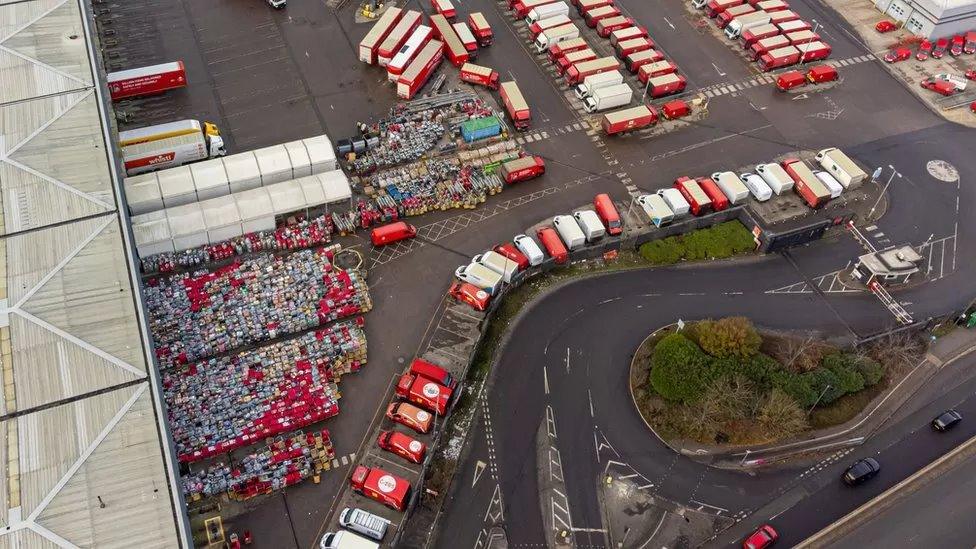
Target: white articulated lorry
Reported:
point(169, 145)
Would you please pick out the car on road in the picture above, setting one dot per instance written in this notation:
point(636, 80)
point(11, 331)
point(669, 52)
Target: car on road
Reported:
point(972, 107)
point(474, 296)
point(941, 45)
point(885, 26)
point(946, 420)
point(410, 416)
point(861, 471)
point(764, 537)
point(897, 54)
point(924, 50)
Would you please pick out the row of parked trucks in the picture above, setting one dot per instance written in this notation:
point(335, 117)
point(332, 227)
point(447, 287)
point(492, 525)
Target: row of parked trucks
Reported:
point(772, 34)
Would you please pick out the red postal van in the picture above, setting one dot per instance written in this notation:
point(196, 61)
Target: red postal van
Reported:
point(394, 232)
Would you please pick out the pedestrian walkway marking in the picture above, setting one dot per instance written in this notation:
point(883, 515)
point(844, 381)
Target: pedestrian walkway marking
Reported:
point(828, 284)
point(725, 88)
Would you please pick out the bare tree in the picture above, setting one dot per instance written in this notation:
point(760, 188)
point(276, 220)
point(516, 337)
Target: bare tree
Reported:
point(897, 351)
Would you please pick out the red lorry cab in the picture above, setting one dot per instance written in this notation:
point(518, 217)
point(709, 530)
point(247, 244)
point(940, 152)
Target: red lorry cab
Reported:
point(608, 214)
point(476, 74)
point(146, 80)
point(432, 372)
point(481, 29)
point(509, 251)
point(423, 392)
point(553, 244)
point(394, 232)
point(698, 201)
point(402, 445)
point(381, 486)
point(719, 200)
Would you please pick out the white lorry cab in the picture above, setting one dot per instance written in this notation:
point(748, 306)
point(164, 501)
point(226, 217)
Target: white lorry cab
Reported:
point(569, 231)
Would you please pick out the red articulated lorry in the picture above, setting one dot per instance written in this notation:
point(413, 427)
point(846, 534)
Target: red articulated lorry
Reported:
point(806, 184)
point(698, 201)
point(518, 109)
point(779, 58)
point(146, 80)
point(476, 74)
point(630, 119)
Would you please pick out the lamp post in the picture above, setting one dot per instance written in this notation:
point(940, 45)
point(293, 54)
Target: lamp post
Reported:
point(894, 172)
point(827, 388)
point(806, 47)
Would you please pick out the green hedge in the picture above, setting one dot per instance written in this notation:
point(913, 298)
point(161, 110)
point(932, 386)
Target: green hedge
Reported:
point(679, 369)
point(716, 242)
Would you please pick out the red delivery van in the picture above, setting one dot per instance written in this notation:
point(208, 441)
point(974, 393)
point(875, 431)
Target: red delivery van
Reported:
point(790, 79)
point(423, 392)
point(381, 486)
point(608, 214)
point(474, 296)
point(698, 201)
point(509, 251)
point(432, 372)
point(146, 80)
point(553, 244)
point(394, 232)
point(402, 445)
point(718, 198)
point(408, 415)
point(821, 73)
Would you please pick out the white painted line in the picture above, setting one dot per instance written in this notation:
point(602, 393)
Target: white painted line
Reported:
point(669, 23)
point(545, 379)
point(709, 93)
point(567, 360)
point(718, 70)
point(595, 530)
point(590, 396)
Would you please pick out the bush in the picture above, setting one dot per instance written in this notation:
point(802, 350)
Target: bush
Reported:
point(798, 387)
point(716, 242)
point(781, 416)
point(844, 366)
point(870, 370)
point(729, 337)
point(662, 252)
point(825, 384)
point(679, 369)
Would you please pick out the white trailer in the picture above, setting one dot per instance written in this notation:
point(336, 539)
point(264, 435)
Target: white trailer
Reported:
point(546, 11)
point(594, 82)
point(672, 197)
point(555, 35)
point(839, 165)
point(589, 222)
point(609, 97)
point(732, 186)
point(776, 177)
point(656, 209)
point(569, 231)
point(171, 152)
point(736, 27)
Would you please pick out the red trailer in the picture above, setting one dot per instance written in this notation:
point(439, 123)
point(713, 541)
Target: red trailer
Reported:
point(515, 104)
point(553, 244)
point(658, 68)
point(755, 34)
point(476, 74)
point(716, 7)
point(445, 8)
point(560, 49)
point(666, 84)
point(697, 200)
point(582, 6)
point(637, 60)
point(606, 26)
point(467, 38)
point(810, 189)
point(718, 198)
point(572, 58)
point(785, 16)
point(630, 119)
point(579, 71)
point(779, 58)
point(802, 37)
point(522, 169)
point(723, 19)
point(455, 50)
point(814, 51)
point(595, 15)
point(371, 42)
point(398, 37)
point(420, 69)
point(628, 33)
point(523, 7)
point(425, 393)
point(769, 6)
point(146, 80)
point(381, 486)
point(768, 44)
point(793, 26)
point(633, 45)
point(481, 29)
point(790, 79)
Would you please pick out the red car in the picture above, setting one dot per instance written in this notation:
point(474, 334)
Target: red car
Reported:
point(761, 538)
point(958, 42)
point(474, 296)
point(971, 74)
point(509, 251)
point(941, 45)
point(896, 55)
point(885, 26)
point(402, 445)
point(924, 49)
point(942, 87)
point(408, 415)
point(972, 107)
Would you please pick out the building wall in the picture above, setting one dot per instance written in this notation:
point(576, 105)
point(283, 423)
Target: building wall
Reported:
point(930, 19)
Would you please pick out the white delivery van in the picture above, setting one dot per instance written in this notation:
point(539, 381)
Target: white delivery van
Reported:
point(527, 246)
point(481, 276)
point(590, 224)
point(346, 540)
point(839, 165)
point(498, 263)
point(832, 184)
point(731, 186)
point(364, 523)
point(757, 186)
point(677, 203)
point(569, 231)
point(776, 177)
point(656, 209)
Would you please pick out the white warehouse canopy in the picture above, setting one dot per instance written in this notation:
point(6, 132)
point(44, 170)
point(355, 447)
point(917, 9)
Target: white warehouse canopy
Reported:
point(224, 217)
point(231, 174)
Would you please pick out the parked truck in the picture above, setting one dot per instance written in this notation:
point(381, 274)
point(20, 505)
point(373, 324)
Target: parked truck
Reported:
point(793, 26)
point(549, 23)
point(715, 7)
point(766, 45)
point(572, 58)
point(630, 119)
point(633, 45)
point(555, 35)
point(483, 76)
point(523, 7)
point(785, 16)
point(728, 15)
point(814, 51)
point(420, 69)
point(802, 37)
point(170, 145)
point(582, 6)
point(740, 24)
point(467, 38)
point(597, 81)
point(658, 68)
point(609, 97)
point(579, 71)
point(698, 201)
point(397, 37)
point(628, 33)
point(522, 169)
point(408, 52)
point(145, 81)
point(560, 49)
point(377, 34)
point(546, 11)
point(779, 58)
point(515, 105)
point(637, 61)
point(806, 184)
point(610, 24)
point(666, 84)
point(844, 170)
point(481, 29)
point(755, 34)
point(732, 187)
point(593, 16)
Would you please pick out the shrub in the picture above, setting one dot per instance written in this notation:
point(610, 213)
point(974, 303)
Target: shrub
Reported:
point(717, 242)
point(729, 337)
point(662, 252)
point(781, 416)
point(870, 370)
point(826, 383)
point(844, 366)
point(679, 369)
point(798, 387)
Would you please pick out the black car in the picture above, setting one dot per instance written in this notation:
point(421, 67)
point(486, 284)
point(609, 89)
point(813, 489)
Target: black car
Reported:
point(861, 471)
point(947, 420)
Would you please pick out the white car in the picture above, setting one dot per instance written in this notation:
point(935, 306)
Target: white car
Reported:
point(527, 246)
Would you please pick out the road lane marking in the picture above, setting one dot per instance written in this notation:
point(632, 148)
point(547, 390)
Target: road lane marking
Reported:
point(718, 70)
point(669, 23)
point(545, 379)
point(590, 396)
